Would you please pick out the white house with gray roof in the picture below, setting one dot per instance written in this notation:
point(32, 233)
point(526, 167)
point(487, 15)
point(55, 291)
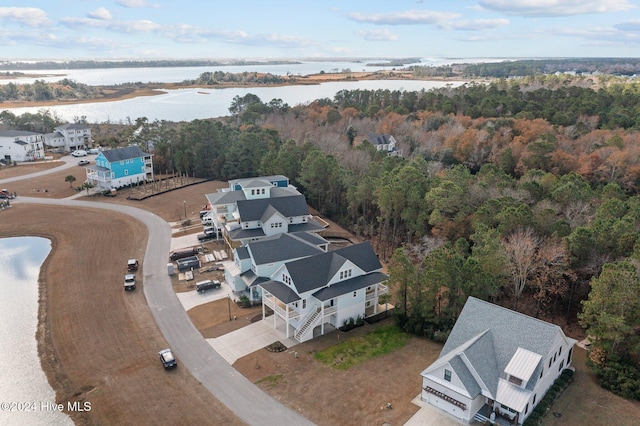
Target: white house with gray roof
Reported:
point(321, 292)
point(257, 261)
point(21, 145)
point(69, 137)
point(496, 359)
point(255, 208)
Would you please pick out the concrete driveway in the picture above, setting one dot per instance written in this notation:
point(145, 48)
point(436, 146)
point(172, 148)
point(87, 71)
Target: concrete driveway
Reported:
point(429, 415)
point(233, 346)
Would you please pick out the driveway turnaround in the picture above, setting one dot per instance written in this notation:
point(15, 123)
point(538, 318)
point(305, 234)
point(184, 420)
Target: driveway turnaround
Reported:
point(241, 396)
point(233, 346)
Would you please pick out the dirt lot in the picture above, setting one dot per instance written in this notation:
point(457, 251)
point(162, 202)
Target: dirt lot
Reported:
point(85, 334)
point(98, 343)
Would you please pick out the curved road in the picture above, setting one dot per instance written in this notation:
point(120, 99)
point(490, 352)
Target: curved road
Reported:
point(241, 396)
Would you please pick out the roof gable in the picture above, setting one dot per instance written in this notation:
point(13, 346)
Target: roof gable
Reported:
point(254, 210)
point(281, 247)
point(506, 332)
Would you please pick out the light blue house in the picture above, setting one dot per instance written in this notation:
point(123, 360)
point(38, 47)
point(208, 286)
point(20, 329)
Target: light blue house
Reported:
point(120, 167)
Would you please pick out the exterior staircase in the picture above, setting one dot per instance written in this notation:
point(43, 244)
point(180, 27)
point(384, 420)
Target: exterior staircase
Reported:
point(309, 325)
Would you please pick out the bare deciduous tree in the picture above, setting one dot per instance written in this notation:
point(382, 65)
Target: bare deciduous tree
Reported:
point(521, 247)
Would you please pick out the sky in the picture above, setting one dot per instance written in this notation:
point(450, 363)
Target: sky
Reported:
point(274, 29)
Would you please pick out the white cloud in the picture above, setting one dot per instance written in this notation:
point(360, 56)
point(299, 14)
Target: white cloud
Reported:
point(407, 17)
point(555, 7)
point(475, 25)
point(132, 3)
point(378, 35)
point(100, 13)
point(141, 26)
point(27, 16)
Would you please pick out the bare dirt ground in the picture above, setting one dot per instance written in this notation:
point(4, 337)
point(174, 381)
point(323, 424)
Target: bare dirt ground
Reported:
point(98, 343)
point(27, 168)
point(86, 334)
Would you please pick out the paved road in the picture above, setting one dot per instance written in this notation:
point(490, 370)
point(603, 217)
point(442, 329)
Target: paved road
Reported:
point(68, 161)
point(245, 399)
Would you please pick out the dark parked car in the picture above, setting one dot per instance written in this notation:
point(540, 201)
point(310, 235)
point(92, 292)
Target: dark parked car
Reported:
point(132, 265)
point(167, 359)
point(181, 254)
point(205, 285)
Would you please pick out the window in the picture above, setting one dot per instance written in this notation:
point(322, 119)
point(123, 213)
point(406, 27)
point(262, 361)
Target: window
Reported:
point(526, 408)
point(304, 303)
point(355, 293)
point(550, 361)
point(534, 398)
point(126, 172)
point(253, 192)
point(560, 351)
point(541, 372)
point(515, 380)
point(263, 190)
point(561, 365)
point(569, 356)
point(447, 375)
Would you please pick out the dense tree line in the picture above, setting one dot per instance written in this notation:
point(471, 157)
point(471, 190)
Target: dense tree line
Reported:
point(532, 67)
point(40, 90)
point(560, 100)
point(243, 78)
point(510, 208)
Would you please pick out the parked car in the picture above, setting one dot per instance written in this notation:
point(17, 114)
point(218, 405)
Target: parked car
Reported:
point(202, 286)
point(94, 151)
point(83, 162)
point(181, 254)
point(132, 265)
point(130, 282)
point(167, 359)
point(79, 153)
point(206, 237)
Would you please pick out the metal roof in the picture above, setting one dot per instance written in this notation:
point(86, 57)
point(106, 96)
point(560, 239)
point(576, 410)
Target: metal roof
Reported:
point(522, 364)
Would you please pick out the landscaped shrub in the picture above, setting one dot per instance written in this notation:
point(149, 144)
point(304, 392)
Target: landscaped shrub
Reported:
point(244, 302)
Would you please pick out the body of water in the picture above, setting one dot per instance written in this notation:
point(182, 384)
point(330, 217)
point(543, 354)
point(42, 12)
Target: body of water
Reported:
point(26, 398)
point(200, 103)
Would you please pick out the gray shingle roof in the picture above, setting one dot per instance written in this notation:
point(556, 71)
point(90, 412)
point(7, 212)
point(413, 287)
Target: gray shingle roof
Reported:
point(378, 138)
point(242, 253)
point(253, 210)
point(281, 247)
point(73, 126)
point(489, 336)
point(347, 286)
point(246, 182)
point(126, 153)
point(225, 197)
point(280, 291)
point(315, 272)
point(16, 133)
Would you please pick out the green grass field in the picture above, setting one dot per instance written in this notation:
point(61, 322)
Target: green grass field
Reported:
point(379, 342)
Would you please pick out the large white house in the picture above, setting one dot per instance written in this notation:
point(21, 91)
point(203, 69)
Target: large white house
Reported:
point(496, 360)
point(255, 208)
point(69, 137)
point(322, 292)
point(258, 261)
point(21, 145)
